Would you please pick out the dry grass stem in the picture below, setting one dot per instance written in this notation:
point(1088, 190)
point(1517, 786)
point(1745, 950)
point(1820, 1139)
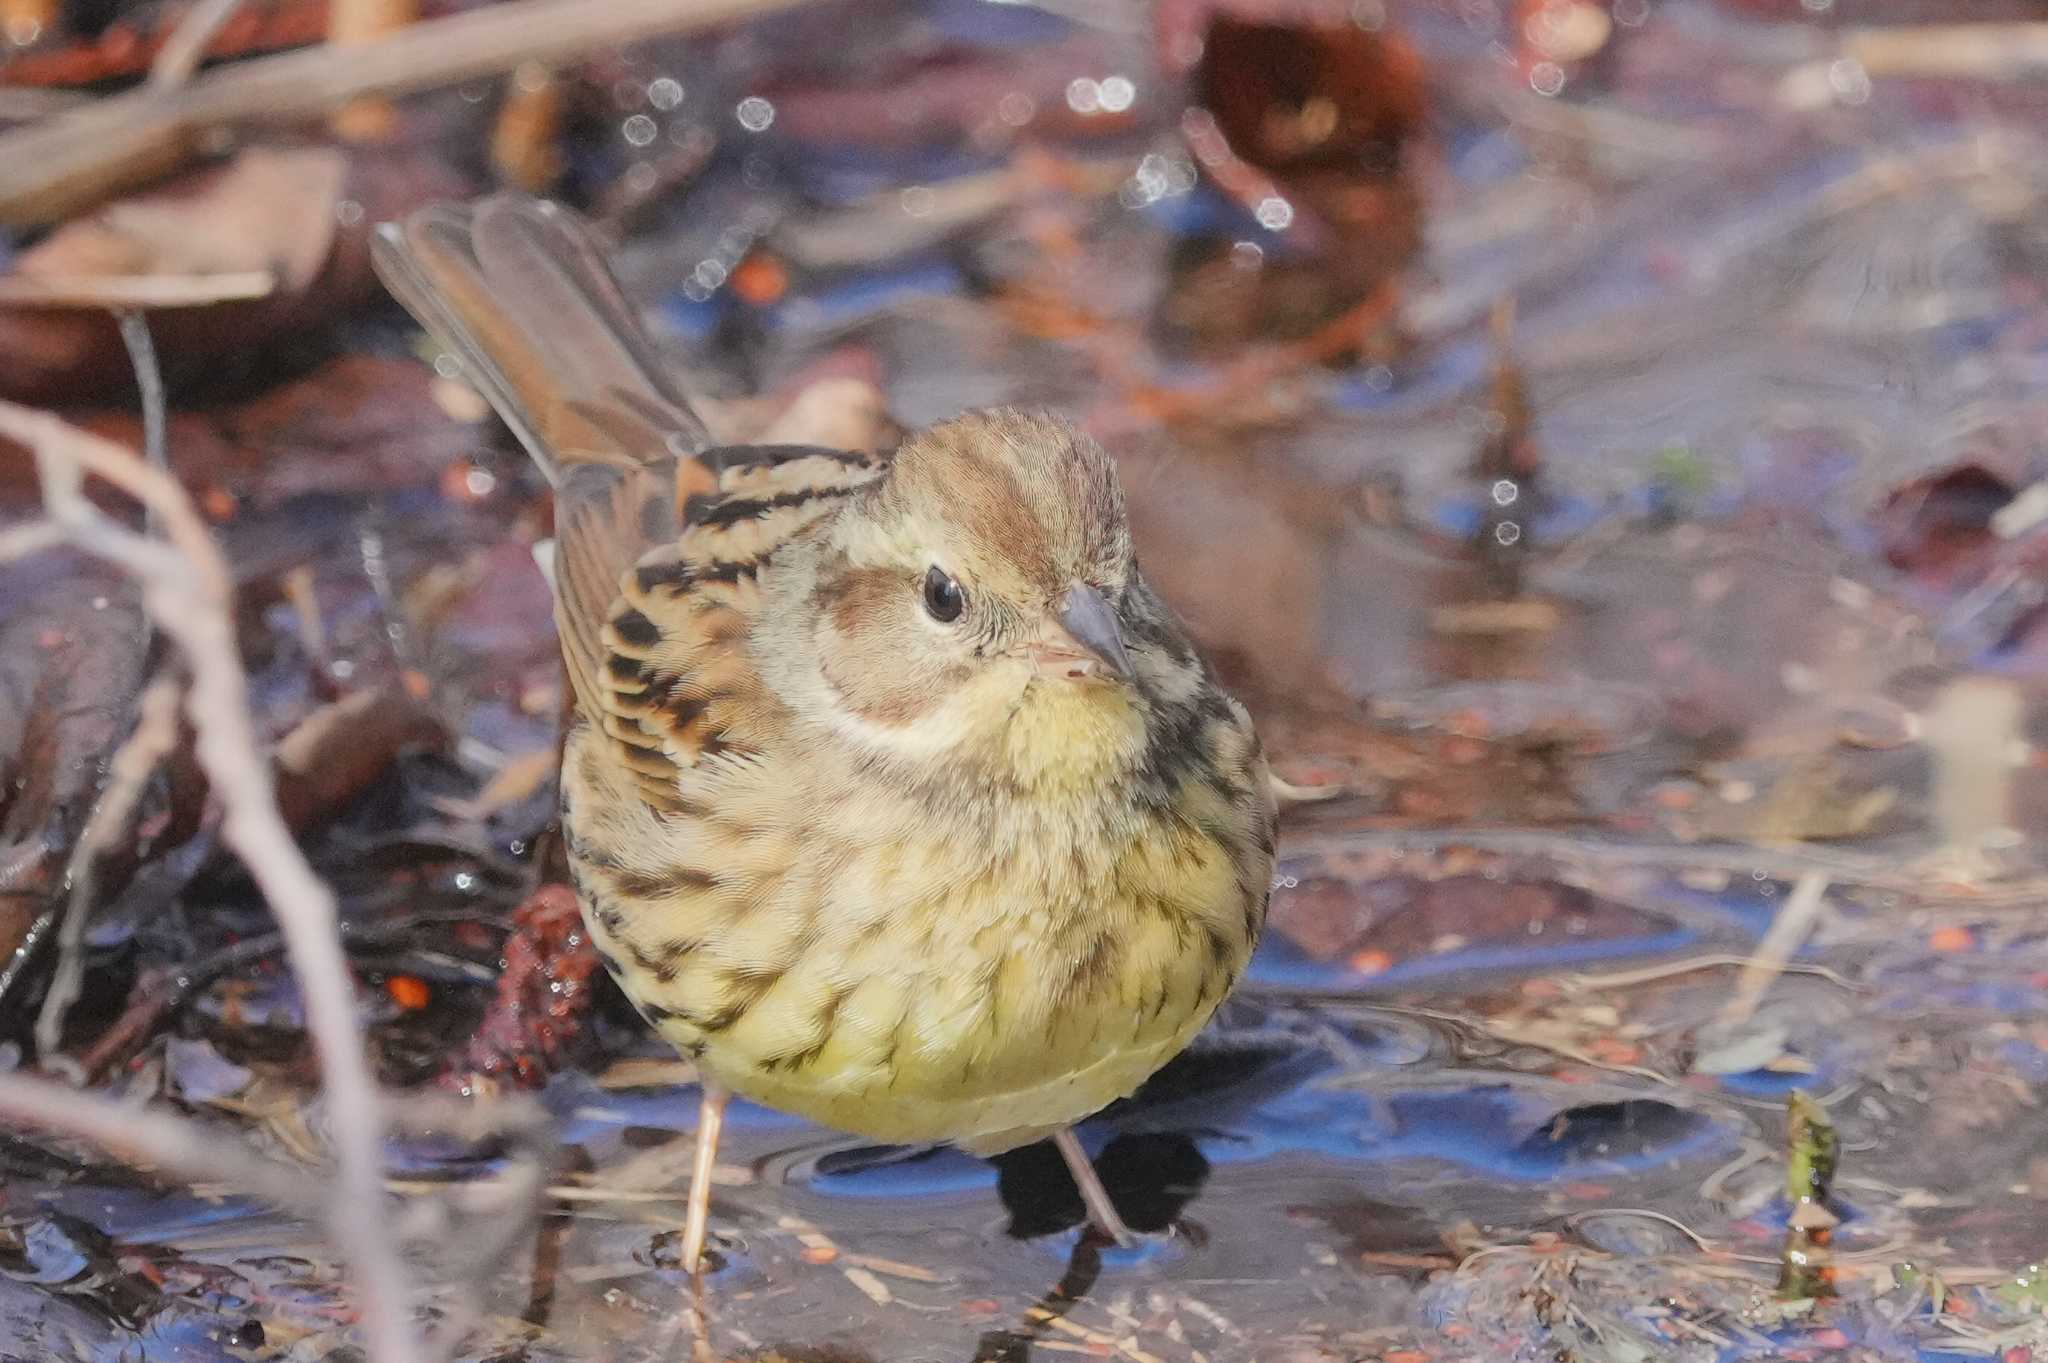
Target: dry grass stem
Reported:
point(151, 1138)
point(1625, 979)
point(182, 52)
point(526, 140)
point(1969, 51)
point(188, 591)
point(353, 22)
point(149, 384)
point(1788, 932)
point(56, 168)
point(20, 103)
point(133, 291)
point(155, 735)
point(362, 21)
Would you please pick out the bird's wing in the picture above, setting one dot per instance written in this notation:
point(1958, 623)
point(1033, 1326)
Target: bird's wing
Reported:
point(657, 537)
point(678, 686)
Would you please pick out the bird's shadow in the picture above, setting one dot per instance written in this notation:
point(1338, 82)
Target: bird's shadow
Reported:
point(1151, 1177)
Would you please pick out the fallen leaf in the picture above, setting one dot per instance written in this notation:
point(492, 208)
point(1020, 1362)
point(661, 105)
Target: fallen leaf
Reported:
point(271, 210)
point(266, 209)
point(1742, 1053)
point(335, 753)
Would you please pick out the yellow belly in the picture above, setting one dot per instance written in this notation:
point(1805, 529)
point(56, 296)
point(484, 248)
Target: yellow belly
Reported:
point(924, 987)
point(987, 1057)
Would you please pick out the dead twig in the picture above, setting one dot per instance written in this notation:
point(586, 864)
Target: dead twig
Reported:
point(149, 389)
point(133, 291)
point(352, 22)
point(194, 1152)
point(189, 592)
point(155, 735)
point(492, 1213)
point(1788, 932)
point(1649, 974)
point(56, 168)
point(20, 103)
point(1968, 51)
point(182, 52)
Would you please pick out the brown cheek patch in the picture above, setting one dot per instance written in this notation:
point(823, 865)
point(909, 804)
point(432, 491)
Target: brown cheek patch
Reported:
point(860, 599)
point(876, 655)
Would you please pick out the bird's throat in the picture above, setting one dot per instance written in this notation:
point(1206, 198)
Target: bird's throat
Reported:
point(1069, 737)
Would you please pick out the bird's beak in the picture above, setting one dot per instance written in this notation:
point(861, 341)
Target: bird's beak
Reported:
point(1085, 641)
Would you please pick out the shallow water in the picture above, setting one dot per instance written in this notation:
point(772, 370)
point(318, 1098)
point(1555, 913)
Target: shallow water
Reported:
point(1457, 1110)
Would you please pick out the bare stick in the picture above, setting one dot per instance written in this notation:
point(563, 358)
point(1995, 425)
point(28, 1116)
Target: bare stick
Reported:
point(189, 592)
point(195, 1152)
point(182, 52)
point(1625, 979)
point(149, 387)
point(1788, 932)
point(57, 167)
point(156, 733)
point(133, 291)
point(19, 103)
point(1977, 51)
point(16, 542)
point(362, 21)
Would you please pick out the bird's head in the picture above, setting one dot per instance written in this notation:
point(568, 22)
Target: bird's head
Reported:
point(981, 601)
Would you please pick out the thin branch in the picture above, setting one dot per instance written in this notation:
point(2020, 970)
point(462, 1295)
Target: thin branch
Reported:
point(188, 590)
point(1625, 979)
point(156, 733)
point(495, 1212)
point(19, 103)
point(149, 391)
point(54, 169)
point(133, 291)
point(19, 541)
point(156, 1139)
point(1969, 51)
point(1788, 932)
point(182, 52)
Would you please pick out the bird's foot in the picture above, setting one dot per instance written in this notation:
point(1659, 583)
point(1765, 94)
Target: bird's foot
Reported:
point(1102, 1213)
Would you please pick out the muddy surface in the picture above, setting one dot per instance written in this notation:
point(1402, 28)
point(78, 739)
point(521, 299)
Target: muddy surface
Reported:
point(1706, 582)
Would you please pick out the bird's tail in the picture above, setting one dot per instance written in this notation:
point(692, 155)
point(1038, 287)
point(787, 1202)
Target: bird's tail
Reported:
point(519, 289)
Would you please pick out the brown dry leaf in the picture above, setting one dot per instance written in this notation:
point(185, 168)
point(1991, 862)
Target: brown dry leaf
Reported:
point(267, 209)
point(519, 778)
point(337, 751)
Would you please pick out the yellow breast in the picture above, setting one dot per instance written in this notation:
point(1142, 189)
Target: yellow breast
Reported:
point(982, 978)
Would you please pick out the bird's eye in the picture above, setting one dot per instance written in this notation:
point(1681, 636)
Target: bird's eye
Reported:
point(943, 599)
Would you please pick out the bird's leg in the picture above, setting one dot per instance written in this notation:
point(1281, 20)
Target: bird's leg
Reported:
point(710, 1119)
point(1094, 1196)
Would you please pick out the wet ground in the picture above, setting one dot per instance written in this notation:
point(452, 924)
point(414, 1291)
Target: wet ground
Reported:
point(1708, 585)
